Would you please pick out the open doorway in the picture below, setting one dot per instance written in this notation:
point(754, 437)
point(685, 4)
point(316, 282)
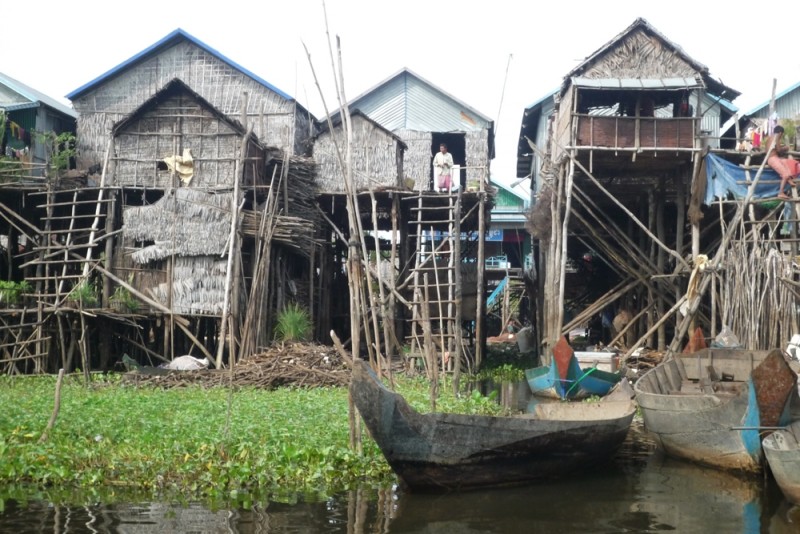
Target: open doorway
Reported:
point(457, 146)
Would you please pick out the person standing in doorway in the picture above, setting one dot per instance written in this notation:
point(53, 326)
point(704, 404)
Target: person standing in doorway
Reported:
point(443, 165)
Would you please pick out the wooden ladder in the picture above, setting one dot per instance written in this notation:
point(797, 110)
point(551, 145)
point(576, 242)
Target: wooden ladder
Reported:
point(436, 280)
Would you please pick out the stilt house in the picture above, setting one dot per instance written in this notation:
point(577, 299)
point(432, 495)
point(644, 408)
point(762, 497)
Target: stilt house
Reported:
point(191, 221)
point(397, 128)
point(627, 206)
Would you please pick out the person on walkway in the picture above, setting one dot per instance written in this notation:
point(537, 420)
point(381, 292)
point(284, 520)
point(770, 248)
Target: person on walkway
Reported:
point(442, 165)
point(777, 158)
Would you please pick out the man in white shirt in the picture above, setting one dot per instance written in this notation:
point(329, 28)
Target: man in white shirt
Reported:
point(442, 164)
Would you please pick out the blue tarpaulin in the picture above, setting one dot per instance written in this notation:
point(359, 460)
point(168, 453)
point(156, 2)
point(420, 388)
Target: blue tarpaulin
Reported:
point(722, 177)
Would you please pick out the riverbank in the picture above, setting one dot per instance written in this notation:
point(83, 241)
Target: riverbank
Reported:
point(193, 442)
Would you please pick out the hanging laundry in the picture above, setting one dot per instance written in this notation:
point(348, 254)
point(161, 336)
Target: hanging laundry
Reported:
point(772, 122)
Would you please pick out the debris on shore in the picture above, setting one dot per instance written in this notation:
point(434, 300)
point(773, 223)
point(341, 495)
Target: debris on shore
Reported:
point(289, 364)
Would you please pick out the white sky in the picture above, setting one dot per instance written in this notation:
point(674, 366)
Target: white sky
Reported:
point(471, 49)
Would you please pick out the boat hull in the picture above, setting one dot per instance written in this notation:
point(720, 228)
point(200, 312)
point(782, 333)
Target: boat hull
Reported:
point(716, 422)
point(444, 452)
point(782, 451)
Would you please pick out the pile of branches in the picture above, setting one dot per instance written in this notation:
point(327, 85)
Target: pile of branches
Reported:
point(638, 363)
point(291, 364)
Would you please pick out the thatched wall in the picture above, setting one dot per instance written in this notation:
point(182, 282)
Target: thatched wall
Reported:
point(477, 149)
point(417, 159)
point(376, 157)
point(175, 125)
point(185, 222)
point(272, 116)
point(198, 285)
point(191, 227)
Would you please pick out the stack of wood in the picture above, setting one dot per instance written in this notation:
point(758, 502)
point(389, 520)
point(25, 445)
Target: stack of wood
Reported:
point(291, 364)
point(298, 218)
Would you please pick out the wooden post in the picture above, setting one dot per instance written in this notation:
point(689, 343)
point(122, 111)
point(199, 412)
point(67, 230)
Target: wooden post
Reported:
point(660, 263)
point(480, 319)
point(564, 243)
point(680, 222)
point(459, 343)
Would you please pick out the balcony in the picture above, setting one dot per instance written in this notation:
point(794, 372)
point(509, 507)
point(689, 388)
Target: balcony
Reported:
point(632, 133)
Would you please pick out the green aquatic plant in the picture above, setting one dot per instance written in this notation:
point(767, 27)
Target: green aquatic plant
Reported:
point(293, 324)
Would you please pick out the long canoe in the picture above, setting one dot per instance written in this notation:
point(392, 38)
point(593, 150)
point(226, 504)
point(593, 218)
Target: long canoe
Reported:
point(710, 406)
point(446, 451)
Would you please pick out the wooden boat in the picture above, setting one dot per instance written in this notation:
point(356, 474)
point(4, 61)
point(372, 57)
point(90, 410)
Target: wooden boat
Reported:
point(441, 451)
point(563, 377)
point(711, 405)
point(782, 451)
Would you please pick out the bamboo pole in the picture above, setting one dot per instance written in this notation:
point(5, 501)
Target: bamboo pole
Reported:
point(480, 315)
point(619, 204)
point(457, 296)
point(98, 208)
point(236, 206)
point(433, 367)
point(693, 306)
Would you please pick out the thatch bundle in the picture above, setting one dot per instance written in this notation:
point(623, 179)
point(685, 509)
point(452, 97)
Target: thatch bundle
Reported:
point(185, 222)
point(293, 232)
point(539, 216)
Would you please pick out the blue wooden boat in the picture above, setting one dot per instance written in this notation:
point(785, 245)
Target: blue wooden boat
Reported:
point(711, 406)
point(563, 377)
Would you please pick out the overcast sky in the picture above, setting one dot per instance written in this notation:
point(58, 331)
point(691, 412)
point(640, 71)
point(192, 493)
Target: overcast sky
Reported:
point(497, 56)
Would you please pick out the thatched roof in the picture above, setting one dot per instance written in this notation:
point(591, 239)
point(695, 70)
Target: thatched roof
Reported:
point(663, 54)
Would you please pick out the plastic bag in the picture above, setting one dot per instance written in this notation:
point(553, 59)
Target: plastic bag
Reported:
point(726, 339)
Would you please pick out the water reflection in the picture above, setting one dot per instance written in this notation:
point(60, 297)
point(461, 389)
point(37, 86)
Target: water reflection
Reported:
point(640, 491)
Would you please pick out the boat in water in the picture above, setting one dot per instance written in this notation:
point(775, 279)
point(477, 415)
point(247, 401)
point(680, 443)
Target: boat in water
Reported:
point(782, 451)
point(437, 452)
point(563, 378)
point(711, 406)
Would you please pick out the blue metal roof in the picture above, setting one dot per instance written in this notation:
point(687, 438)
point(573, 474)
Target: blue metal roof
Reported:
point(176, 36)
point(542, 100)
point(777, 96)
point(34, 98)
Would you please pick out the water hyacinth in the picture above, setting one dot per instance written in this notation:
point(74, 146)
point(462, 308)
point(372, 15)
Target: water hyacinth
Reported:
point(184, 443)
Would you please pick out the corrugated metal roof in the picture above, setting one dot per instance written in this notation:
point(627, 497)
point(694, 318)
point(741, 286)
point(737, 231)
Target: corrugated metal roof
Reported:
point(407, 101)
point(636, 83)
point(169, 40)
point(31, 98)
point(762, 110)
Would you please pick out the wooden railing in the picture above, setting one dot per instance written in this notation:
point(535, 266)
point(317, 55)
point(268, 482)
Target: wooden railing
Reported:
point(625, 133)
